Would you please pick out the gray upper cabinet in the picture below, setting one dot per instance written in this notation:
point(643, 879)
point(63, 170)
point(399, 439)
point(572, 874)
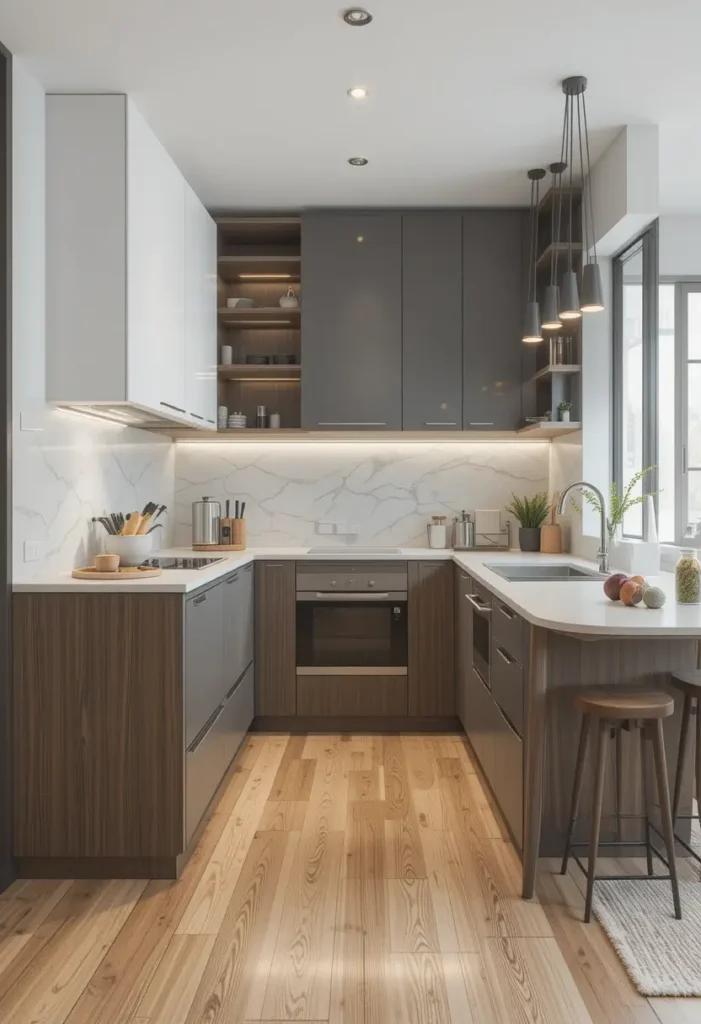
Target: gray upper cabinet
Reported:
point(432, 321)
point(493, 297)
point(352, 321)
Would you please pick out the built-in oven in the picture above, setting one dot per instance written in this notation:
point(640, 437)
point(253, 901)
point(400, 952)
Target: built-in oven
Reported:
point(351, 618)
point(481, 634)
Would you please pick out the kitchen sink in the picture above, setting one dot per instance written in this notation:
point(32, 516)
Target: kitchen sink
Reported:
point(555, 572)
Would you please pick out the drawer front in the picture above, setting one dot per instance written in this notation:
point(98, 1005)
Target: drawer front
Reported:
point(508, 778)
point(204, 767)
point(205, 683)
point(506, 678)
point(482, 715)
point(237, 716)
point(484, 595)
point(356, 696)
point(507, 627)
point(238, 623)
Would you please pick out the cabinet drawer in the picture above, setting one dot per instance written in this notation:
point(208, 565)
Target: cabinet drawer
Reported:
point(481, 724)
point(506, 677)
point(237, 715)
point(204, 767)
point(205, 682)
point(508, 778)
point(484, 595)
point(507, 627)
point(357, 696)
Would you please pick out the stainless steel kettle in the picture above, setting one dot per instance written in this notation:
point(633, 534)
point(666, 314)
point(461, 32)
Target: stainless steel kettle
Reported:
point(206, 521)
point(463, 532)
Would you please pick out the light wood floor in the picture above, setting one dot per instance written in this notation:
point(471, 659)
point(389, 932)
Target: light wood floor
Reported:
point(341, 879)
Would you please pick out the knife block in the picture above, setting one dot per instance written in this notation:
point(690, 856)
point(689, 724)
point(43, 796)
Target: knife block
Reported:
point(551, 539)
point(233, 536)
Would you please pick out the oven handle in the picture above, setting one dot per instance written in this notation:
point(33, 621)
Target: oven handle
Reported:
point(328, 596)
point(483, 609)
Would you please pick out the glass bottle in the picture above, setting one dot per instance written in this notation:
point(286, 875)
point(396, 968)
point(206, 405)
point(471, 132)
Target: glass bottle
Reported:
point(688, 577)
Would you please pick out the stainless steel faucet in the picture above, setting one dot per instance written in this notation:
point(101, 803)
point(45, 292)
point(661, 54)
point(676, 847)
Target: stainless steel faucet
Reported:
point(602, 554)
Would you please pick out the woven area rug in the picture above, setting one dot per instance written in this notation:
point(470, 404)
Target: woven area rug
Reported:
point(661, 955)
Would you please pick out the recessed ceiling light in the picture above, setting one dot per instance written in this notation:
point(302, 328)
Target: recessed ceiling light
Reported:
point(357, 92)
point(357, 16)
point(357, 161)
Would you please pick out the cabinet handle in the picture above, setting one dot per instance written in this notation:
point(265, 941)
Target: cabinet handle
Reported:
point(176, 408)
point(478, 423)
point(201, 599)
point(506, 612)
point(249, 567)
point(483, 609)
point(444, 424)
point(196, 417)
point(213, 422)
point(205, 730)
point(350, 423)
point(232, 579)
point(274, 565)
point(506, 657)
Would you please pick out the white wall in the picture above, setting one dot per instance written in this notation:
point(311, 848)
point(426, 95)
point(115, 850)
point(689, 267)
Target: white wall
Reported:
point(66, 469)
point(390, 489)
point(680, 245)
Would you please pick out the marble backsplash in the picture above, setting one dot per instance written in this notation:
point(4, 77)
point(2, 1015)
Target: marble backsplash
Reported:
point(76, 468)
point(389, 489)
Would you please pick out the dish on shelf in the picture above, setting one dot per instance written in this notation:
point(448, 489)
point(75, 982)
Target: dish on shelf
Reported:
point(284, 359)
point(239, 303)
point(257, 360)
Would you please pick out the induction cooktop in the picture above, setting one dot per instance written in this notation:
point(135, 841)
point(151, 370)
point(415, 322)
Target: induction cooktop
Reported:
point(181, 563)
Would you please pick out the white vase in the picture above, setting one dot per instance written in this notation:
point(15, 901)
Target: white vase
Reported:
point(565, 415)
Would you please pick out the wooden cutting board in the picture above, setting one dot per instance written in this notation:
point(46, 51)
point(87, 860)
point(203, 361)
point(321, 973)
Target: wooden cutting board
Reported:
point(128, 573)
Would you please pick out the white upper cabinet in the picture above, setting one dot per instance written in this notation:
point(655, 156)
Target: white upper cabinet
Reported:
point(200, 312)
point(131, 270)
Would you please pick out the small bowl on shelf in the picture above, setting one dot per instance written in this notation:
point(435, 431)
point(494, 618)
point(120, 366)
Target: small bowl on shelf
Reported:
point(239, 303)
point(285, 359)
point(256, 360)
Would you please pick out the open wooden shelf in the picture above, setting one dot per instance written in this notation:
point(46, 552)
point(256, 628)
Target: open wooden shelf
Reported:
point(560, 249)
point(260, 316)
point(266, 371)
point(555, 368)
point(260, 230)
point(285, 267)
point(549, 428)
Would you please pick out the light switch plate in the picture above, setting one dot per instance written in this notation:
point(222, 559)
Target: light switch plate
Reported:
point(325, 528)
point(34, 550)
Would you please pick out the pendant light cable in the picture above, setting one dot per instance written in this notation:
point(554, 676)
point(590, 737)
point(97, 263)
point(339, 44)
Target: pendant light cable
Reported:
point(588, 186)
point(585, 219)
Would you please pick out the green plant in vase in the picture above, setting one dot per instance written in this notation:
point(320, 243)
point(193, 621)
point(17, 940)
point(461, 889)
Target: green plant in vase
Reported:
point(564, 409)
point(531, 513)
point(619, 504)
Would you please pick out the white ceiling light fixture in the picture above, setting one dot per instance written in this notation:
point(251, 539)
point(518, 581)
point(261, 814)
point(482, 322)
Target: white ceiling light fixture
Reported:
point(357, 92)
point(357, 17)
point(358, 161)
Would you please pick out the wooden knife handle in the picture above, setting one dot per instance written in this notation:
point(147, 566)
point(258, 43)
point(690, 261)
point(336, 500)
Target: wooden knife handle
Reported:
point(132, 524)
point(144, 525)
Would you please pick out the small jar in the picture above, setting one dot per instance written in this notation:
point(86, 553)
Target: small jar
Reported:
point(688, 577)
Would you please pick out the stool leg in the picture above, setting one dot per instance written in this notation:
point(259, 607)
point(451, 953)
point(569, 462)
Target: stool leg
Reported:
point(665, 810)
point(698, 758)
point(646, 801)
point(681, 757)
point(619, 781)
point(596, 809)
point(577, 788)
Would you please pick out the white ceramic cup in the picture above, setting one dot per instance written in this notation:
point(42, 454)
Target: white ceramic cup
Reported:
point(227, 355)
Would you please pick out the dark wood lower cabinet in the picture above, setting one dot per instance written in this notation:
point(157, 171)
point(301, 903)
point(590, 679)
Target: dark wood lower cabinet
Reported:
point(276, 681)
point(431, 645)
point(360, 695)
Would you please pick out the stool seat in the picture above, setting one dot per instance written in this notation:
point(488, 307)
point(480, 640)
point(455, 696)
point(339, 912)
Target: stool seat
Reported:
point(617, 703)
point(687, 682)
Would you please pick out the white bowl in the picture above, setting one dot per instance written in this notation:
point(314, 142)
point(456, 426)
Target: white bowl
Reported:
point(131, 550)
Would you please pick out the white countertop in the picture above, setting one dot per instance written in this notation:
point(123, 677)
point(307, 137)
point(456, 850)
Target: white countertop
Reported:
point(578, 607)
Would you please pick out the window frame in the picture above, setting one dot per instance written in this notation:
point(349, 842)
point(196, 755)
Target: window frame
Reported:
point(683, 288)
point(650, 282)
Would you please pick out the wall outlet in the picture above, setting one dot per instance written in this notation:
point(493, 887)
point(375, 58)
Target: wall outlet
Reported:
point(34, 550)
point(325, 528)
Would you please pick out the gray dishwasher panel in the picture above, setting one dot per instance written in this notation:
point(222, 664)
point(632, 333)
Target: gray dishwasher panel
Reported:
point(205, 683)
point(237, 716)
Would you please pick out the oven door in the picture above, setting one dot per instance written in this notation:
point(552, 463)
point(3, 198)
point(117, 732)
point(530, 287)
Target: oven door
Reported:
point(362, 632)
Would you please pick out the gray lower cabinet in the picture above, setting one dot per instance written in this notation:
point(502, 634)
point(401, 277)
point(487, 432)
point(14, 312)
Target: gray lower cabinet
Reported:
point(506, 678)
point(493, 302)
point(507, 776)
point(352, 309)
point(237, 715)
point(483, 724)
point(463, 647)
point(431, 321)
point(205, 683)
point(238, 622)
point(204, 767)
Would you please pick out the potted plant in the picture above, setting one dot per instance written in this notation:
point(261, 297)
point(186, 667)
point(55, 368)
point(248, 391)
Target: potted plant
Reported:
point(531, 513)
point(564, 409)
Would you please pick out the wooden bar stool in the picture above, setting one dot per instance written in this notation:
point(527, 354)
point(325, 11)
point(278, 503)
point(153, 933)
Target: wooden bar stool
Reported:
point(607, 711)
point(690, 685)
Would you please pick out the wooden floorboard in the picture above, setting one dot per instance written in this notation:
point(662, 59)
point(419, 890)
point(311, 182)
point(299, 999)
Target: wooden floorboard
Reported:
point(341, 879)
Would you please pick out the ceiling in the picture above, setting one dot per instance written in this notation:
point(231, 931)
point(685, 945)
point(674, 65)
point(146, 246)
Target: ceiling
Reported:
point(250, 98)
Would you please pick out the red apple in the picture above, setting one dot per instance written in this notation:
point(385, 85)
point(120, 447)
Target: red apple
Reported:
point(613, 584)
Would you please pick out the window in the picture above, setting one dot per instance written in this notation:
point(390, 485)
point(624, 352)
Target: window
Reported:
point(635, 373)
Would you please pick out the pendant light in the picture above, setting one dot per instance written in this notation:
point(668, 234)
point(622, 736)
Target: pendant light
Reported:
point(531, 327)
point(569, 293)
point(592, 298)
point(551, 303)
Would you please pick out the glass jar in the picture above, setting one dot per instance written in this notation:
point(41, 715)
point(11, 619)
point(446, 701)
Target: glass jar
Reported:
point(688, 577)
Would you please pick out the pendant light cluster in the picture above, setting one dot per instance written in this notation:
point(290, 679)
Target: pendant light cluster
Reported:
point(562, 304)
